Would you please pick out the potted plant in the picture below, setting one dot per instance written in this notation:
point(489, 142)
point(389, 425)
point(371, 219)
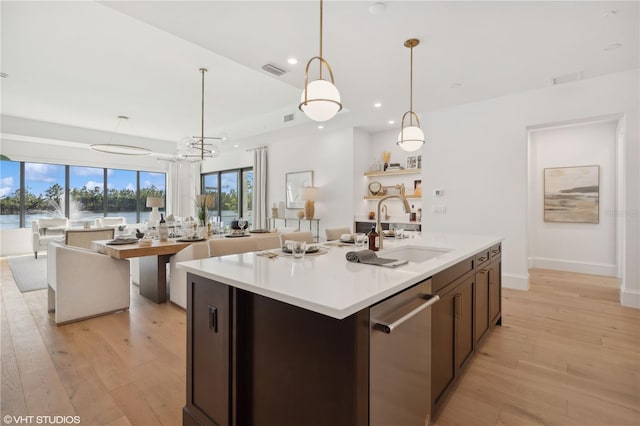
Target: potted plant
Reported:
point(203, 203)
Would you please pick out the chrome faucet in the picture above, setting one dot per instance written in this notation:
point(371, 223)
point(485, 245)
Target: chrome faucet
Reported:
point(386, 214)
point(405, 206)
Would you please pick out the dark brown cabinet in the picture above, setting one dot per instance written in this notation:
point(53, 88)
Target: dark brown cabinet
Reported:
point(451, 336)
point(208, 351)
point(495, 291)
point(443, 338)
point(469, 305)
point(464, 322)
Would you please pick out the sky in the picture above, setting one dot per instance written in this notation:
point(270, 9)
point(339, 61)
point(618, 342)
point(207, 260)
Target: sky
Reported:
point(39, 177)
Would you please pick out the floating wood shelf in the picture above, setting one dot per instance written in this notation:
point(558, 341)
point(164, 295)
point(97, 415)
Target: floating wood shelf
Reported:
point(394, 172)
point(377, 197)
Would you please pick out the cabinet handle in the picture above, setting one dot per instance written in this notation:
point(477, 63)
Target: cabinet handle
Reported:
point(213, 318)
point(389, 327)
point(458, 305)
point(483, 271)
point(494, 251)
point(482, 259)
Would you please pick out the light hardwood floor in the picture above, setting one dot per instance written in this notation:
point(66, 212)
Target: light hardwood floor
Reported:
point(567, 354)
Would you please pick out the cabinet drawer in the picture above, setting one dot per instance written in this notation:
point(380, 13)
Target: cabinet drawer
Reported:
point(483, 257)
point(442, 279)
point(496, 250)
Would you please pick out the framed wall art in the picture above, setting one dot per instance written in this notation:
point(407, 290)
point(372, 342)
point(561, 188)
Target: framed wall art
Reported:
point(572, 194)
point(294, 182)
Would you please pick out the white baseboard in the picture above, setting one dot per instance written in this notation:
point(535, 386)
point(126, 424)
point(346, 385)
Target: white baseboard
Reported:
point(591, 268)
point(630, 298)
point(516, 282)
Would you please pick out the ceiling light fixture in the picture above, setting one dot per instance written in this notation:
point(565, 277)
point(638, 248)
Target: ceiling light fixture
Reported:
point(292, 61)
point(411, 138)
point(198, 143)
point(392, 121)
point(377, 105)
point(320, 99)
point(120, 149)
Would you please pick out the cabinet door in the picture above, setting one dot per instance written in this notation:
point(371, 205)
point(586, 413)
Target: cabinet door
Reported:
point(481, 304)
point(464, 320)
point(208, 350)
point(442, 346)
point(495, 291)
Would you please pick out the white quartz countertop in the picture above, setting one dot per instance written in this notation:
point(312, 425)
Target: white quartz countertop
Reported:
point(327, 283)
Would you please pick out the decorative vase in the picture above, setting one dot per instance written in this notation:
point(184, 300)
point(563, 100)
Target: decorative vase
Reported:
point(274, 212)
point(309, 209)
point(300, 214)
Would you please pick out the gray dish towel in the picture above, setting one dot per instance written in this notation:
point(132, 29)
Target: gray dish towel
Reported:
point(371, 258)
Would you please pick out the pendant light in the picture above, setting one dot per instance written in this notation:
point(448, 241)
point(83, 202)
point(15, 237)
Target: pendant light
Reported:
point(320, 99)
point(116, 148)
point(411, 137)
point(195, 148)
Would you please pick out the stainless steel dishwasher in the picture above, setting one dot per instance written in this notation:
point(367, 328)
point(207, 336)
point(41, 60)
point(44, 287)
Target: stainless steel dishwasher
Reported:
point(400, 358)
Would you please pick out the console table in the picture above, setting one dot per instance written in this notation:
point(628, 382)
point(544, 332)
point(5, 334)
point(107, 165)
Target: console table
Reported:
point(299, 222)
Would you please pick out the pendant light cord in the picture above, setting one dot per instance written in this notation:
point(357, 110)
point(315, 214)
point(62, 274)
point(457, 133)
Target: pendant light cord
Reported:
point(411, 88)
point(202, 70)
point(320, 62)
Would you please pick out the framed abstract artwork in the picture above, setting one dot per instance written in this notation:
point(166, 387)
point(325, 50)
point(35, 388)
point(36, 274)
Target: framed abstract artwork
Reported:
point(293, 188)
point(572, 194)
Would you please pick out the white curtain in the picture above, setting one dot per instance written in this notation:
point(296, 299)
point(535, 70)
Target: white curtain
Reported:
point(183, 187)
point(260, 215)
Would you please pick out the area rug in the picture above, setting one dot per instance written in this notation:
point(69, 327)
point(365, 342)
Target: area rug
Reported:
point(30, 274)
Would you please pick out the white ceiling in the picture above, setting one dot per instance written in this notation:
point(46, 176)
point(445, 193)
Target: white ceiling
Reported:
point(83, 63)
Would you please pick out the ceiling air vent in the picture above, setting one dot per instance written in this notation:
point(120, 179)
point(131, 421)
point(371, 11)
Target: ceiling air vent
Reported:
point(270, 68)
point(288, 117)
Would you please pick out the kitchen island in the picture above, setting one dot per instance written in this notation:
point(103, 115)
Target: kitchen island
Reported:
point(324, 341)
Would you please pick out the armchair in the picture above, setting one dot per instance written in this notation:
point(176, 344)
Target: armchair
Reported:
point(178, 277)
point(45, 230)
point(83, 283)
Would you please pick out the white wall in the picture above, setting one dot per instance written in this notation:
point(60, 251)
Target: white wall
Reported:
point(577, 247)
point(329, 154)
point(477, 153)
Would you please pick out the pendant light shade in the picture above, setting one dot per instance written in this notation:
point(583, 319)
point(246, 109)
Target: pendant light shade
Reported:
point(116, 148)
point(411, 136)
point(320, 99)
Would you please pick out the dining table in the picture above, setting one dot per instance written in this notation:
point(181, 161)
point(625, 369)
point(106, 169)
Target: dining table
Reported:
point(153, 262)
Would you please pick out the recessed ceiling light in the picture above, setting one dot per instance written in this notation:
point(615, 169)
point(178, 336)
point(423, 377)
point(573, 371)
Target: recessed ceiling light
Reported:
point(292, 61)
point(391, 122)
point(377, 105)
point(321, 127)
point(4, 75)
point(236, 145)
point(613, 46)
point(377, 8)
point(455, 86)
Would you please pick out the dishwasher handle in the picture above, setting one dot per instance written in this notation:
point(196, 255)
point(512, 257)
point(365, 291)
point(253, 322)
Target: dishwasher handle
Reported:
point(389, 327)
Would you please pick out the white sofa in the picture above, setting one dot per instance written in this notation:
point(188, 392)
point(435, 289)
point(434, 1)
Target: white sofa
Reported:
point(84, 283)
point(212, 248)
point(45, 230)
point(110, 222)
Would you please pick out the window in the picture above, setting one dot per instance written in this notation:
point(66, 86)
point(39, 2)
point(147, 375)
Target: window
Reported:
point(86, 192)
point(151, 185)
point(10, 209)
point(233, 194)
point(122, 194)
point(76, 192)
point(44, 191)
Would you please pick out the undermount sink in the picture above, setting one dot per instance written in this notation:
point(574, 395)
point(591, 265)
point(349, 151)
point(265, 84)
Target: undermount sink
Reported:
point(415, 254)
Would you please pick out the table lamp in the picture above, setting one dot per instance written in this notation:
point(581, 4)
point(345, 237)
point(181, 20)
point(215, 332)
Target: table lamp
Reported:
point(154, 203)
point(309, 194)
